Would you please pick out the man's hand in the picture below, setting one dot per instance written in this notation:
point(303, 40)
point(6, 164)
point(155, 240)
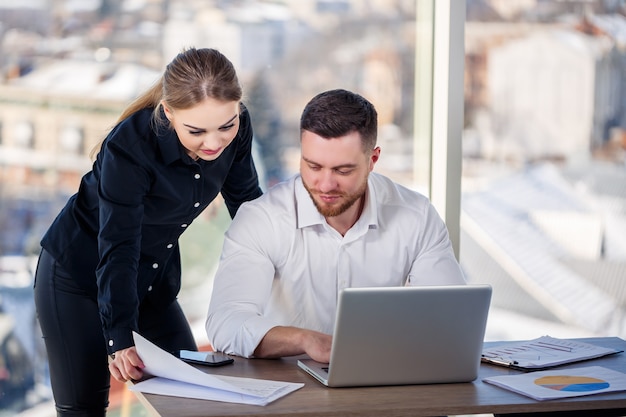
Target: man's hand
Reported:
point(126, 365)
point(290, 341)
point(317, 345)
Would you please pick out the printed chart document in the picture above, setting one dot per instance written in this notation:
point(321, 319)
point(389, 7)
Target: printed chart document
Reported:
point(550, 385)
point(173, 377)
point(544, 352)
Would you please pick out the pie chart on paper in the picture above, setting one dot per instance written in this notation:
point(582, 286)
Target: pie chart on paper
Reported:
point(572, 383)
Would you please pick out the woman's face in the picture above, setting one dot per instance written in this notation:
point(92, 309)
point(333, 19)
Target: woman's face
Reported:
point(205, 129)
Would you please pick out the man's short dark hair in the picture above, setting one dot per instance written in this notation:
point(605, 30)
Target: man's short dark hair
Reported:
point(336, 113)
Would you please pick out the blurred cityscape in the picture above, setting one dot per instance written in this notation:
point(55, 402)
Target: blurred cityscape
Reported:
point(544, 144)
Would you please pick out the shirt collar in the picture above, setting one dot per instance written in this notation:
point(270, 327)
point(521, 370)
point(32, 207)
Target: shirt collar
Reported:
point(169, 145)
point(309, 216)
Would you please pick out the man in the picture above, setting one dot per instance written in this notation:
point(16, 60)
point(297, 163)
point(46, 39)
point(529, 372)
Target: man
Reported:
point(288, 253)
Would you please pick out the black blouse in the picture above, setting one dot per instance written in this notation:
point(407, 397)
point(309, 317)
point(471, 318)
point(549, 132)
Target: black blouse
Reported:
point(118, 235)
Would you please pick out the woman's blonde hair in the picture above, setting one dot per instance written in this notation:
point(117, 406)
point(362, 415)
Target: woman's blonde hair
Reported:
point(190, 78)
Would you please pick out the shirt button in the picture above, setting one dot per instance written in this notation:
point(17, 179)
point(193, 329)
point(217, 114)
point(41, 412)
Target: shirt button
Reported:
point(197, 176)
point(110, 342)
point(196, 205)
point(183, 225)
point(150, 288)
point(155, 265)
point(170, 245)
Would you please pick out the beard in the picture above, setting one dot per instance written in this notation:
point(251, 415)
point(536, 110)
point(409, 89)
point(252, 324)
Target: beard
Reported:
point(333, 210)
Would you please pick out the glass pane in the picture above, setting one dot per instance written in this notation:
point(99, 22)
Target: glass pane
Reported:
point(71, 68)
point(543, 205)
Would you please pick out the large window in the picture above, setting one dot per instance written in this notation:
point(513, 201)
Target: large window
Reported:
point(70, 68)
point(509, 115)
point(543, 198)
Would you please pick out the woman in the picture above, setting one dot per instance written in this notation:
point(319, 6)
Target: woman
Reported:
point(110, 262)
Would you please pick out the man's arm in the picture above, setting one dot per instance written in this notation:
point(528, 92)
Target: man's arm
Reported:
point(242, 284)
point(282, 341)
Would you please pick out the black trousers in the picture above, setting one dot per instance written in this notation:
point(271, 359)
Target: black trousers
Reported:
point(72, 332)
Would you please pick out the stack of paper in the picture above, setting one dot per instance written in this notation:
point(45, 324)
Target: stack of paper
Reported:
point(174, 377)
point(544, 352)
point(549, 385)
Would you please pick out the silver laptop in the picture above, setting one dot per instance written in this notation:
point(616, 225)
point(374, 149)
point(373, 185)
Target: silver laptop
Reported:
point(405, 335)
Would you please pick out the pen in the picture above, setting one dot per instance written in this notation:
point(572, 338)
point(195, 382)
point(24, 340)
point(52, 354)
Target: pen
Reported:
point(499, 361)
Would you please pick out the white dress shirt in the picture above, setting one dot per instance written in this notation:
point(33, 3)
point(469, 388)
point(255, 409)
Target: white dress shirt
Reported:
point(283, 265)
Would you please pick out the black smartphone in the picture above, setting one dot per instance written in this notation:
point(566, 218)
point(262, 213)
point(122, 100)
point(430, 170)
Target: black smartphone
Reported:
point(205, 358)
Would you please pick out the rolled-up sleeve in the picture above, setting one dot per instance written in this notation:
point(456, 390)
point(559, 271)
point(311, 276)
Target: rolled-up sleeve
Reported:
point(242, 285)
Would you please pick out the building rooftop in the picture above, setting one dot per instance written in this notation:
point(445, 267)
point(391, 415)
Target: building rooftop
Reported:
point(533, 273)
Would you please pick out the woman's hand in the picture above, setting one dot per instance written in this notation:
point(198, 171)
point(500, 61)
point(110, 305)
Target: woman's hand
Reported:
point(127, 365)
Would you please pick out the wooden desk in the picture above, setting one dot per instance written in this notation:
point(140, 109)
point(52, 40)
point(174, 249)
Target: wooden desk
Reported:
point(314, 399)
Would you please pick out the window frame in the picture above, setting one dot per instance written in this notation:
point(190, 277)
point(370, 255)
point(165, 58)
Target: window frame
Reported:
point(439, 106)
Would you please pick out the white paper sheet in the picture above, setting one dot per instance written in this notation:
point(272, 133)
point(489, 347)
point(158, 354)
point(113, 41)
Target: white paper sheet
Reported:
point(543, 352)
point(174, 377)
point(550, 385)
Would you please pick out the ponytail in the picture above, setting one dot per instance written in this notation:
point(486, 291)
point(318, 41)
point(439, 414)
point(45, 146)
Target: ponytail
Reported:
point(193, 76)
